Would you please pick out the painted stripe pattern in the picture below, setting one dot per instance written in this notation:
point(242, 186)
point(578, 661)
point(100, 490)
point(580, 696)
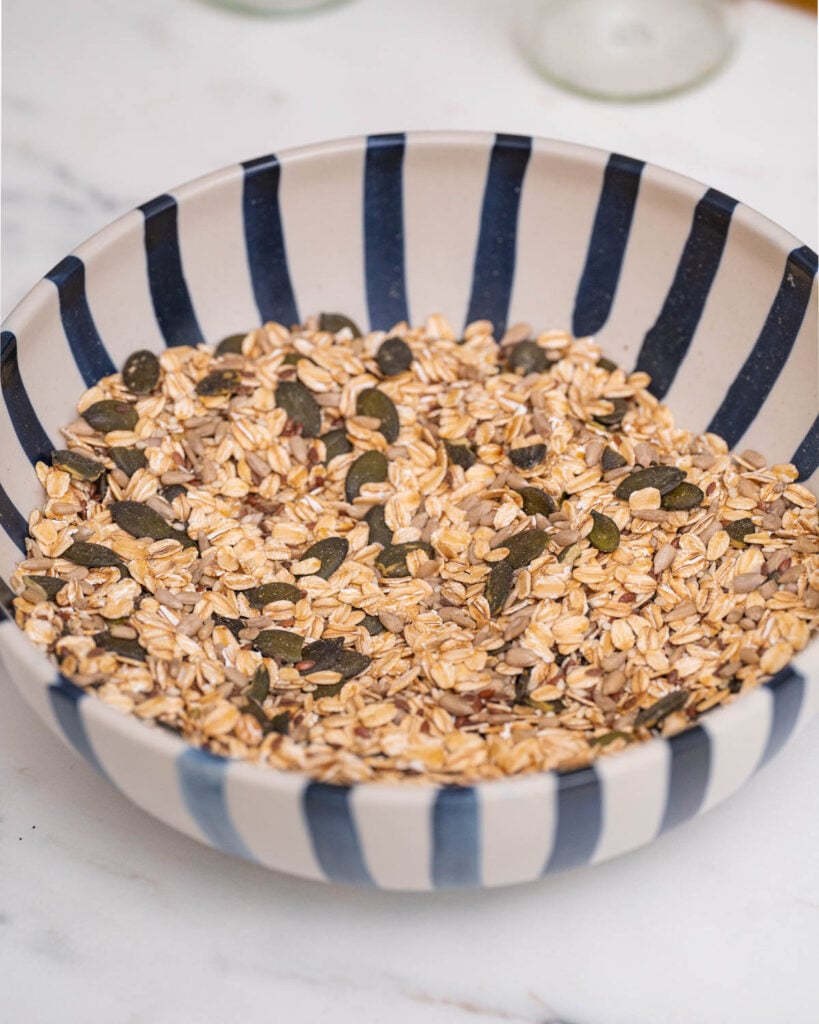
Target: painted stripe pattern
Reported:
point(66, 699)
point(333, 833)
point(13, 522)
point(494, 269)
point(666, 344)
point(767, 358)
point(579, 820)
point(264, 241)
point(86, 345)
point(384, 270)
point(689, 772)
point(166, 279)
point(201, 778)
point(34, 441)
point(456, 850)
point(806, 456)
point(607, 246)
point(788, 690)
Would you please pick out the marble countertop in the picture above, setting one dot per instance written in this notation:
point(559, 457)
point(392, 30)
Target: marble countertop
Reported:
point(108, 916)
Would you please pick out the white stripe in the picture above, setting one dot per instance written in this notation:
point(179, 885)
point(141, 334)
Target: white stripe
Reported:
point(394, 825)
point(738, 736)
point(518, 818)
point(31, 672)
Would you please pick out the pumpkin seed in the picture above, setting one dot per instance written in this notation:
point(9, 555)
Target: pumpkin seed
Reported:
point(529, 456)
point(372, 624)
point(351, 663)
point(279, 723)
point(369, 468)
point(260, 685)
point(111, 414)
point(525, 547)
point(331, 552)
point(460, 454)
point(280, 644)
point(664, 478)
point(372, 402)
point(129, 460)
point(231, 345)
point(604, 535)
point(394, 356)
point(498, 586)
point(611, 459)
point(336, 443)
point(654, 714)
point(522, 685)
point(46, 586)
point(569, 554)
point(80, 467)
point(234, 625)
point(684, 496)
point(537, 502)
point(328, 690)
point(527, 357)
point(172, 491)
point(321, 655)
point(335, 322)
point(607, 364)
point(738, 530)
point(380, 533)
point(292, 359)
point(258, 597)
point(140, 372)
point(300, 406)
point(548, 707)
point(610, 737)
point(125, 648)
point(142, 521)
point(392, 560)
point(254, 708)
point(615, 417)
point(219, 382)
point(94, 556)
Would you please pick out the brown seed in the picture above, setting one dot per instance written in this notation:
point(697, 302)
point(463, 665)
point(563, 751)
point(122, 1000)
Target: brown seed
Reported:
point(747, 581)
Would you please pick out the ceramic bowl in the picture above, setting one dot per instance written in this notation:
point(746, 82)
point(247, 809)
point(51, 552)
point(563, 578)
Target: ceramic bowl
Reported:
point(715, 301)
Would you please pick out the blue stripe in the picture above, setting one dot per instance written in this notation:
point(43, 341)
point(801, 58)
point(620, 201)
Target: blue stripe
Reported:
point(579, 819)
point(384, 231)
point(66, 699)
point(201, 778)
point(34, 441)
point(667, 342)
point(494, 271)
point(14, 524)
point(456, 844)
point(761, 369)
point(788, 690)
point(166, 278)
point(607, 247)
point(86, 345)
point(264, 241)
point(689, 771)
point(333, 833)
point(806, 456)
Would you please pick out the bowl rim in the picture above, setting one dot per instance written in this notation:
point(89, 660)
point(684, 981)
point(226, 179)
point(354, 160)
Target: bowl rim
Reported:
point(166, 743)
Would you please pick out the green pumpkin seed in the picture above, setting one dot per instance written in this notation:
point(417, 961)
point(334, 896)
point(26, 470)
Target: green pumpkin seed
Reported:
point(111, 414)
point(47, 587)
point(615, 417)
point(335, 322)
point(527, 357)
point(279, 644)
point(292, 359)
point(231, 345)
point(142, 521)
point(380, 533)
point(610, 737)
point(548, 707)
point(460, 454)
point(94, 556)
point(537, 502)
point(128, 460)
point(654, 714)
point(606, 364)
point(141, 372)
point(121, 646)
point(280, 723)
point(235, 626)
point(684, 496)
point(300, 406)
point(498, 586)
point(267, 593)
point(260, 685)
point(372, 624)
point(525, 547)
point(351, 663)
point(374, 403)
point(219, 382)
point(392, 560)
point(336, 443)
point(604, 535)
point(663, 478)
point(522, 685)
point(321, 655)
point(331, 552)
point(529, 456)
point(328, 690)
point(611, 459)
point(172, 492)
point(738, 530)
point(369, 468)
point(569, 554)
point(80, 467)
point(394, 356)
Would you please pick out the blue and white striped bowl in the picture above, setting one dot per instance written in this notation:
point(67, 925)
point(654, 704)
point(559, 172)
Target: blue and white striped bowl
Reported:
point(715, 301)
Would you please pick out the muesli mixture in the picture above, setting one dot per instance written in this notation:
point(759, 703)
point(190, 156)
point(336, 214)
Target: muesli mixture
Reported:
point(410, 554)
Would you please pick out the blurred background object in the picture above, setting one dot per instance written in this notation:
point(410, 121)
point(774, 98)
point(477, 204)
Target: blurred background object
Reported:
point(273, 6)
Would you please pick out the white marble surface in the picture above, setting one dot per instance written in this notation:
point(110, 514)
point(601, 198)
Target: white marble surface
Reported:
point(108, 916)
